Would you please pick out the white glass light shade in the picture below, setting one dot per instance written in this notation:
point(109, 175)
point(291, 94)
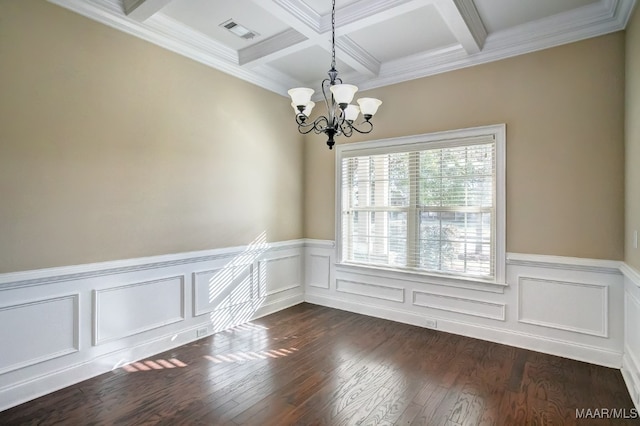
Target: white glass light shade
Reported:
point(300, 95)
point(343, 93)
point(308, 108)
point(351, 112)
point(369, 106)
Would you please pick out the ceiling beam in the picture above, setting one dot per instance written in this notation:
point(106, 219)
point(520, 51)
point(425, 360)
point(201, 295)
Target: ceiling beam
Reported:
point(464, 22)
point(272, 48)
point(356, 57)
point(314, 29)
point(141, 10)
point(294, 13)
point(365, 13)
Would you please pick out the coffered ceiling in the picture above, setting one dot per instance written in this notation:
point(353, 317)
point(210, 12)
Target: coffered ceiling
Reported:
point(378, 42)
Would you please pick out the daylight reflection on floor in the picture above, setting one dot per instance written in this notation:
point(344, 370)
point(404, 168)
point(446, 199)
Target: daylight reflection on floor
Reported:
point(158, 364)
point(250, 356)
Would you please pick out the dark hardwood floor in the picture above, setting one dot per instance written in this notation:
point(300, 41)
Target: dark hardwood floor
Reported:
point(310, 365)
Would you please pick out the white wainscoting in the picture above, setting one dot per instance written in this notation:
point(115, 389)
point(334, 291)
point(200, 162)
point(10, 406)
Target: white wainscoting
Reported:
point(55, 331)
point(72, 323)
point(64, 325)
point(131, 309)
point(559, 305)
point(631, 358)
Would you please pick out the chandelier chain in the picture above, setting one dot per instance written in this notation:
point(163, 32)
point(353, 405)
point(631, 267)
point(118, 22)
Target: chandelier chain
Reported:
point(333, 35)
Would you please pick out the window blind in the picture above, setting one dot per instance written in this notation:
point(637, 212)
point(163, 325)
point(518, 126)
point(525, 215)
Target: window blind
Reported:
point(428, 207)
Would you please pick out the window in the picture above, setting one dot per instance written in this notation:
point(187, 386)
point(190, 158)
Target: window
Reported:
point(429, 203)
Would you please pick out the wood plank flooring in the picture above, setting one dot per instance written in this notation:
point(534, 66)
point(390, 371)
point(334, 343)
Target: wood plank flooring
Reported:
point(311, 365)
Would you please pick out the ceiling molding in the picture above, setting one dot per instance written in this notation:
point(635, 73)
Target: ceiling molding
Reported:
point(141, 10)
point(590, 21)
point(307, 29)
point(299, 16)
point(275, 47)
point(365, 13)
point(356, 57)
point(464, 22)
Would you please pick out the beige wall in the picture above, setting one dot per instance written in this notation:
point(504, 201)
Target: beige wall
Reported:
point(564, 111)
point(113, 148)
point(632, 138)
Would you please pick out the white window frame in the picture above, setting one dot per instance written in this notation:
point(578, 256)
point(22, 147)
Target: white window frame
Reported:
point(435, 140)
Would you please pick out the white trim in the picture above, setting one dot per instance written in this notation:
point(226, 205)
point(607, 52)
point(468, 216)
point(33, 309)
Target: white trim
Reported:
point(326, 284)
point(283, 289)
point(75, 272)
point(312, 243)
point(464, 22)
point(630, 362)
point(566, 263)
point(501, 306)
point(603, 17)
point(75, 297)
point(97, 340)
point(372, 294)
point(496, 131)
point(631, 273)
point(13, 394)
point(580, 352)
point(194, 283)
point(424, 278)
point(86, 283)
point(604, 326)
point(599, 18)
point(631, 375)
point(261, 273)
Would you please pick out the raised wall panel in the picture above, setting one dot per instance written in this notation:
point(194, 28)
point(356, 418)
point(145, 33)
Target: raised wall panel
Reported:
point(570, 306)
point(38, 331)
point(461, 305)
point(632, 327)
point(319, 270)
point(279, 274)
point(360, 288)
point(123, 311)
point(222, 288)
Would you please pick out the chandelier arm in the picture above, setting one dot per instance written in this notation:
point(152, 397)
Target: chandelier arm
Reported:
point(370, 125)
point(346, 128)
point(305, 127)
point(320, 124)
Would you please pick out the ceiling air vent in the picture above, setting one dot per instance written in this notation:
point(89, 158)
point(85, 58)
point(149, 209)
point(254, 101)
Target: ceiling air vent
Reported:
point(239, 30)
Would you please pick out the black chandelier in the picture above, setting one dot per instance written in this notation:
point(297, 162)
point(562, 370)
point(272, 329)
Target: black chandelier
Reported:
point(341, 115)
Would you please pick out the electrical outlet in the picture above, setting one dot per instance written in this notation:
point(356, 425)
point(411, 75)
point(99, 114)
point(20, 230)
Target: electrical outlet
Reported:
point(431, 323)
point(201, 332)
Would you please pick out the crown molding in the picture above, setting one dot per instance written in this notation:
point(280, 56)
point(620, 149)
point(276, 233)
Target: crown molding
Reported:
point(593, 20)
point(309, 28)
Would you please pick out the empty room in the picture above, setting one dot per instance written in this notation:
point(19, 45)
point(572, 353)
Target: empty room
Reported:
point(336, 212)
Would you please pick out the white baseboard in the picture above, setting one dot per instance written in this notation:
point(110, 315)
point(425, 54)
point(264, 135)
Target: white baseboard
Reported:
point(631, 376)
point(564, 349)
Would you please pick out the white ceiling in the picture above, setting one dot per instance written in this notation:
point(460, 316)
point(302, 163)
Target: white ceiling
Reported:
point(378, 42)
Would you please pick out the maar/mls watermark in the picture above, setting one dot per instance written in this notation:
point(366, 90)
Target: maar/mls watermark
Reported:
point(606, 413)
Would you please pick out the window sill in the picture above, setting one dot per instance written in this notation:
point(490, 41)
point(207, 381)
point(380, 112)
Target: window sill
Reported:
point(421, 277)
